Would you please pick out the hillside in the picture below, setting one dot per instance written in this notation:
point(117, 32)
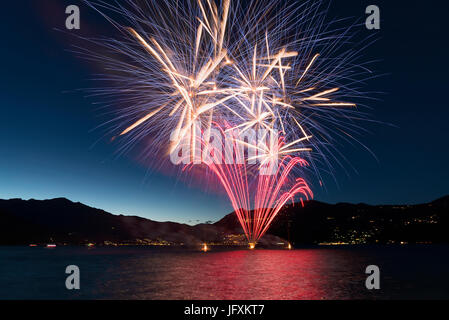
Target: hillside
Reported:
point(319, 222)
point(62, 221)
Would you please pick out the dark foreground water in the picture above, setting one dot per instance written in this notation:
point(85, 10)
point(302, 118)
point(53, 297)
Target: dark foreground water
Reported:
point(407, 272)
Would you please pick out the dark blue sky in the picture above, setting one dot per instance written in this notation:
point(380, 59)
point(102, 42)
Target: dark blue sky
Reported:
point(48, 147)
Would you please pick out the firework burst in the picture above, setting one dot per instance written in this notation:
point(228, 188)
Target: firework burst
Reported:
point(183, 68)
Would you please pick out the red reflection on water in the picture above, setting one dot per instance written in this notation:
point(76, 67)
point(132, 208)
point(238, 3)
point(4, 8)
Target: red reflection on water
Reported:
point(262, 274)
point(310, 274)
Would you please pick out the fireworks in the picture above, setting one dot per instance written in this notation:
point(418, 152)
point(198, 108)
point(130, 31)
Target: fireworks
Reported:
point(256, 207)
point(266, 69)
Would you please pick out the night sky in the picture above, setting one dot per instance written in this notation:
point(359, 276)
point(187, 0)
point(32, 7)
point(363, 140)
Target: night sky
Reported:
point(49, 148)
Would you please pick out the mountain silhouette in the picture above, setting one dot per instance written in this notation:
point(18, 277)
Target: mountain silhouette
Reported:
point(63, 221)
point(319, 222)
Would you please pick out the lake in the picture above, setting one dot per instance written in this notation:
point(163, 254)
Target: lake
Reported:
point(406, 272)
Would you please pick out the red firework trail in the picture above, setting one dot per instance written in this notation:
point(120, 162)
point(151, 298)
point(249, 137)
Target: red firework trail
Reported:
point(272, 190)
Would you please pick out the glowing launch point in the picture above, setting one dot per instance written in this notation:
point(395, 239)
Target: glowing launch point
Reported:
point(289, 247)
point(205, 248)
point(252, 246)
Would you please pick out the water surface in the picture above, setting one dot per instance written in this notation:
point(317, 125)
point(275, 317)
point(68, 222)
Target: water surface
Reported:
point(407, 272)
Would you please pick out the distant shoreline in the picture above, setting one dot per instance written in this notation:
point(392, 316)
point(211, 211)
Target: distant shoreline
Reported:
point(61, 221)
point(223, 247)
